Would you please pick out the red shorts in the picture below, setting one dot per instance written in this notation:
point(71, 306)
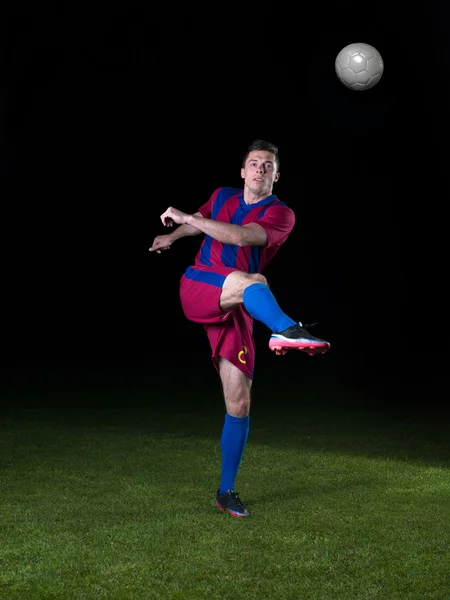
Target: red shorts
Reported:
point(230, 334)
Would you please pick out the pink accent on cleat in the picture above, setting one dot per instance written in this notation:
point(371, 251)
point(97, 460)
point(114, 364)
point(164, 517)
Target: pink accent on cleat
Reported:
point(279, 351)
point(281, 346)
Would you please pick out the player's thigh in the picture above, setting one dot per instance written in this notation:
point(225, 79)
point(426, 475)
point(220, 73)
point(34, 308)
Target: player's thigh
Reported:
point(236, 388)
point(234, 285)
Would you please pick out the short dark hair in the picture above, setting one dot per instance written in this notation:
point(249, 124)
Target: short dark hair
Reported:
point(263, 145)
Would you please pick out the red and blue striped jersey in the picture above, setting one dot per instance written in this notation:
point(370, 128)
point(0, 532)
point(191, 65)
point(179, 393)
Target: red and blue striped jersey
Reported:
point(227, 205)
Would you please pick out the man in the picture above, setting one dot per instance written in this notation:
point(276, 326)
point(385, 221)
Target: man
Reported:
point(225, 290)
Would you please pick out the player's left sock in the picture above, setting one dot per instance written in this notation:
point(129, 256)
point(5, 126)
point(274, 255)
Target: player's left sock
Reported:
point(232, 443)
point(262, 305)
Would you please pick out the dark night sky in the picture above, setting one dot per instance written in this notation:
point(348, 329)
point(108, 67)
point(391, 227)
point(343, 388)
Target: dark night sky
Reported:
point(107, 121)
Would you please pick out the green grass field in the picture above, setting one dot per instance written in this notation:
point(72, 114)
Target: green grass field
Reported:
point(108, 492)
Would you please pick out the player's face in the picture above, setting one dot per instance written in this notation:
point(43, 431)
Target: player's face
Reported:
point(260, 172)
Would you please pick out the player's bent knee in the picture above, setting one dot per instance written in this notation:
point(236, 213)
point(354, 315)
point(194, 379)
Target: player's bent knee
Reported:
point(258, 278)
point(235, 285)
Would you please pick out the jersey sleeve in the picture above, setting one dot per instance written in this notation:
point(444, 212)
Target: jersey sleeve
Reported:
point(278, 222)
point(206, 209)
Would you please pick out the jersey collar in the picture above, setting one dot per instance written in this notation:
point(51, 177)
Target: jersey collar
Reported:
point(263, 202)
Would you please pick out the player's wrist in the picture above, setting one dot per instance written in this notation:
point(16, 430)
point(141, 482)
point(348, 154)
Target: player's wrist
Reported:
point(190, 220)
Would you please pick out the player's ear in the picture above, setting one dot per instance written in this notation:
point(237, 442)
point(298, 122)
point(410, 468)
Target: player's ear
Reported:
point(243, 173)
point(277, 177)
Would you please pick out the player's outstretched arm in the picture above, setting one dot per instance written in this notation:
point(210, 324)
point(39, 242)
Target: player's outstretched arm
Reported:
point(250, 234)
point(163, 242)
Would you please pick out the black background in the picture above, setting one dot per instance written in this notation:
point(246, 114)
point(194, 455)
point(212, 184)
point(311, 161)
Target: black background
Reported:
point(108, 119)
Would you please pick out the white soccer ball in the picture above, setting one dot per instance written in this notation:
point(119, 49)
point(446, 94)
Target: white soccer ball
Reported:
point(359, 66)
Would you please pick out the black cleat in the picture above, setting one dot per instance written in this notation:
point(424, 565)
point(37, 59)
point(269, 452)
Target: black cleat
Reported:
point(231, 502)
point(297, 337)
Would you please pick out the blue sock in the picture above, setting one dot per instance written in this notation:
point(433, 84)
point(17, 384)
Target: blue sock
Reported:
point(262, 305)
point(232, 444)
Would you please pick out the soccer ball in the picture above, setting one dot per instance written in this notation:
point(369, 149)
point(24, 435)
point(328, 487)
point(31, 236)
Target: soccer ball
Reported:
point(359, 66)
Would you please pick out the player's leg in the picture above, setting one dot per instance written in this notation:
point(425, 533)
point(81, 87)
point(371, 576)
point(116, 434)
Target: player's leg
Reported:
point(236, 391)
point(233, 356)
point(252, 290)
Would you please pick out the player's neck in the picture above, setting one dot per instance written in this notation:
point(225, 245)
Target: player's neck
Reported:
point(252, 198)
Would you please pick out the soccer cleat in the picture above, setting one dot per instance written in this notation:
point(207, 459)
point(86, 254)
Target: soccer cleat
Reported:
point(231, 502)
point(297, 337)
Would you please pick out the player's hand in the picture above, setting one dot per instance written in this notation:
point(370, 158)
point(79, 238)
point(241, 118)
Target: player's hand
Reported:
point(160, 243)
point(173, 215)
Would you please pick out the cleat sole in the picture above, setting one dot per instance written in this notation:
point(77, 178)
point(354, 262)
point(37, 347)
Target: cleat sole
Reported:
point(311, 349)
point(231, 512)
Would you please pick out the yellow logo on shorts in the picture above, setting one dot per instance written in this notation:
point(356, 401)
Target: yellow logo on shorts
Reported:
point(242, 352)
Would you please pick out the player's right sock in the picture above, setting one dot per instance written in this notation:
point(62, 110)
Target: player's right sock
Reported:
point(262, 305)
point(232, 444)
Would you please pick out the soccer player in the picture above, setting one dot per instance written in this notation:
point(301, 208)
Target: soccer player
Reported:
point(225, 290)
